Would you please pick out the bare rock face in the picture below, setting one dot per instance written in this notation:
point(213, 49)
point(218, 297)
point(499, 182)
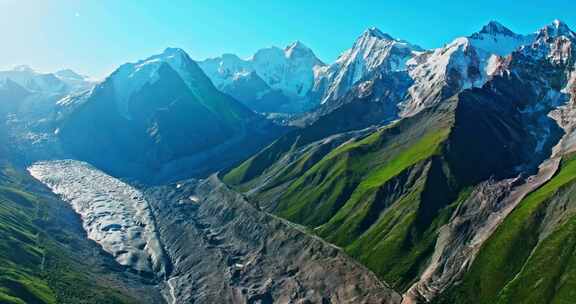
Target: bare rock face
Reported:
point(470, 226)
point(225, 250)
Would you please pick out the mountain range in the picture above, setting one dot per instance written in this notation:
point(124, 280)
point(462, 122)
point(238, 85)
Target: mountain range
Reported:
point(160, 118)
point(435, 200)
point(394, 175)
point(273, 80)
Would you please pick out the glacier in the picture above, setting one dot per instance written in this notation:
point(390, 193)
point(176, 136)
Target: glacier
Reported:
point(114, 214)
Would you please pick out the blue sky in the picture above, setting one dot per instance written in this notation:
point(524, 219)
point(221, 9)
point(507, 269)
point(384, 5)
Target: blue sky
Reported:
point(95, 36)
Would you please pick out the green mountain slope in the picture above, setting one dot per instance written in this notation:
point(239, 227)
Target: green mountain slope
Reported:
point(44, 257)
point(20, 252)
point(366, 195)
point(531, 256)
point(354, 112)
point(382, 196)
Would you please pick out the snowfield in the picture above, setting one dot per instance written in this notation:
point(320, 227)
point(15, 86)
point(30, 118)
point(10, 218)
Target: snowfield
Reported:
point(114, 214)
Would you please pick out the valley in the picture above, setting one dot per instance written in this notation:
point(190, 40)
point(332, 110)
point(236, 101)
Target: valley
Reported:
point(395, 174)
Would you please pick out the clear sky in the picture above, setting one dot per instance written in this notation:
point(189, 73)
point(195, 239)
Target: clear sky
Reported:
point(95, 36)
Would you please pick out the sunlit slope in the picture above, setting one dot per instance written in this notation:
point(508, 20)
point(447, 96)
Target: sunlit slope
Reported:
point(383, 196)
point(531, 257)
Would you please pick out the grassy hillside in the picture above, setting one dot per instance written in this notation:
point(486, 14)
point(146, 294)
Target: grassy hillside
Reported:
point(356, 114)
point(383, 196)
point(43, 258)
point(378, 196)
point(531, 256)
point(21, 253)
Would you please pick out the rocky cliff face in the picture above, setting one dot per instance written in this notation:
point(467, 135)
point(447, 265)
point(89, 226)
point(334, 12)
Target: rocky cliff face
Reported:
point(479, 217)
point(373, 53)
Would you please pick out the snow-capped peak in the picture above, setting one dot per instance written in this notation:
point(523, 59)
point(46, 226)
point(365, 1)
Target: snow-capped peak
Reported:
point(61, 82)
point(376, 33)
point(176, 58)
point(495, 28)
point(554, 42)
point(23, 68)
point(495, 38)
point(373, 37)
point(34, 81)
point(131, 77)
point(172, 56)
point(177, 52)
point(556, 29)
point(186, 68)
point(75, 82)
point(557, 23)
point(290, 70)
point(374, 51)
point(464, 63)
point(299, 49)
point(296, 45)
point(70, 74)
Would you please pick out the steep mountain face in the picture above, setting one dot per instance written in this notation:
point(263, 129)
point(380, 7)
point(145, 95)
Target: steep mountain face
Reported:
point(273, 80)
point(74, 81)
point(466, 62)
point(383, 194)
point(11, 95)
point(494, 38)
point(414, 79)
point(157, 119)
point(373, 52)
point(419, 199)
point(256, 94)
point(423, 78)
point(375, 99)
point(529, 230)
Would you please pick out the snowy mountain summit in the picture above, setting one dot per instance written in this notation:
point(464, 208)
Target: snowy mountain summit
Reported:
point(497, 39)
point(373, 52)
point(495, 28)
point(61, 82)
point(273, 79)
point(555, 29)
point(464, 63)
point(131, 78)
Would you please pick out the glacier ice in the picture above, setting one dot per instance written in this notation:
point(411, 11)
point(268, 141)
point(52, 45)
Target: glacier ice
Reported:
point(114, 214)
